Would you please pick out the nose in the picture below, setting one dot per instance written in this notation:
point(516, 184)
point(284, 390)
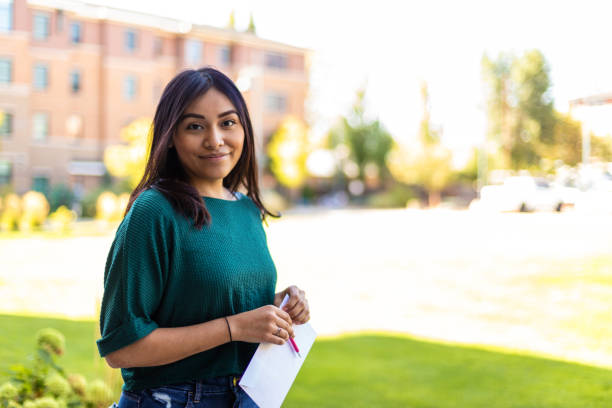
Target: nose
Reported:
point(213, 138)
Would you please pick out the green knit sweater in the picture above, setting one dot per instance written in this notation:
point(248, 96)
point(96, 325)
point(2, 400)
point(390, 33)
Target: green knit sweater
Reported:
point(163, 272)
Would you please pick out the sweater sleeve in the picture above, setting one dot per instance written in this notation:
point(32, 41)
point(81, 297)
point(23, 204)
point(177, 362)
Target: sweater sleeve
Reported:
point(135, 274)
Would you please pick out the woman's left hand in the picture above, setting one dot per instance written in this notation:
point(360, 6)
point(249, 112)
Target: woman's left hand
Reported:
point(297, 305)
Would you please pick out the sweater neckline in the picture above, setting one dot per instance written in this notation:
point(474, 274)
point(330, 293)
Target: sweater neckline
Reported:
point(239, 197)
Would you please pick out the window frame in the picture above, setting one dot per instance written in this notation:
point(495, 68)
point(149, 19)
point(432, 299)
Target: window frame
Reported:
point(9, 64)
point(39, 67)
point(35, 136)
point(189, 52)
point(130, 41)
point(276, 60)
point(130, 92)
point(79, 32)
point(37, 18)
point(9, 127)
point(276, 102)
point(76, 73)
point(10, 16)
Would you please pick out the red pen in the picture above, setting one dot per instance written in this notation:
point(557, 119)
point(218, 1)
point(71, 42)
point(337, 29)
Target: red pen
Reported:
point(295, 347)
point(293, 343)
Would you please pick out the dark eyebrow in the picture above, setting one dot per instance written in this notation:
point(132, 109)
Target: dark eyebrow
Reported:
point(227, 113)
point(191, 115)
point(198, 116)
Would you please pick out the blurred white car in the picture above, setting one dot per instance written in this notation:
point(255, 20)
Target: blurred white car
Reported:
point(525, 193)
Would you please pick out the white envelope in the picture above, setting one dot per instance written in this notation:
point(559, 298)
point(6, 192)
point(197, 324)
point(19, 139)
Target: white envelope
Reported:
point(273, 368)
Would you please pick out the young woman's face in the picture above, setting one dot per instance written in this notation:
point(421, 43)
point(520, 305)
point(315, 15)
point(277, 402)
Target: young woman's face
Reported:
point(209, 140)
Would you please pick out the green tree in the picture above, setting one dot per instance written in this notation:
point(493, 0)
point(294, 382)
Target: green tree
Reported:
point(601, 147)
point(368, 143)
point(497, 84)
point(251, 27)
point(428, 163)
point(567, 145)
point(520, 107)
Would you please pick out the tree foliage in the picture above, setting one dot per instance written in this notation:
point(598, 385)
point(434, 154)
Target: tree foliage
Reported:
point(128, 160)
point(520, 108)
point(251, 27)
point(367, 141)
point(288, 150)
point(428, 162)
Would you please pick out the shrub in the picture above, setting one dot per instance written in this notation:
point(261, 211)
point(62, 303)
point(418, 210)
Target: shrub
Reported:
point(397, 197)
point(44, 384)
point(9, 219)
point(62, 219)
point(60, 195)
point(34, 210)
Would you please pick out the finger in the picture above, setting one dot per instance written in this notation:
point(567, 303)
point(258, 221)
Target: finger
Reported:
point(302, 318)
point(271, 338)
point(298, 308)
point(286, 327)
point(295, 297)
point(284, 315)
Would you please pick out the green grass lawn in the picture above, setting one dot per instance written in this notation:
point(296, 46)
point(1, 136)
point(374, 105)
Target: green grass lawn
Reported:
point(374, 370)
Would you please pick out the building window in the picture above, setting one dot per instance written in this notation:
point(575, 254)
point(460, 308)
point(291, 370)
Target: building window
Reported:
point(75, 81)
point(129, 88)
point(41, 126)
point(130, 41)
point(5, 172)
point(6, 125)
point(41, 77)
point(225, 55)
point(41, 26)
point(75, 32)
point(158, 46)
point(193, 52)
point(6, 15)
point(40, 184)
point(276, 102)
point(6, 71)
point(275, 60)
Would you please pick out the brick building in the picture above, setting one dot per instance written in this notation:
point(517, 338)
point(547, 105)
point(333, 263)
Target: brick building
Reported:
point(72, 74)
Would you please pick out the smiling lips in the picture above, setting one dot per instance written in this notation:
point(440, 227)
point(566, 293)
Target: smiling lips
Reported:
point(214, 156)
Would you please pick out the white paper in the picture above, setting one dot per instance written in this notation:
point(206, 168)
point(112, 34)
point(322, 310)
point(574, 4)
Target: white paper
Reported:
point(273, 368)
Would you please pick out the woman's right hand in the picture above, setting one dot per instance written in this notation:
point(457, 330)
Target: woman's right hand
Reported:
point(261, 325)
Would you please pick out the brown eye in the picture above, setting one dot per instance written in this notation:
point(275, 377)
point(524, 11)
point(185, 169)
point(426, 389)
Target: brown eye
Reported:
point(194, 126)
point(229, 123)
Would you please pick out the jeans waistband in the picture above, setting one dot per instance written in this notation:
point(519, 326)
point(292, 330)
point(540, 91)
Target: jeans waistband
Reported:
point(197, 387)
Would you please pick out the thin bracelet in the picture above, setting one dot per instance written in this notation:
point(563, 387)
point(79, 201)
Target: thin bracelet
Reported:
point(228, 328)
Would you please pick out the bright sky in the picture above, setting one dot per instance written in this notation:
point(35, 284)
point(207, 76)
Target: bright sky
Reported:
point(390, 46)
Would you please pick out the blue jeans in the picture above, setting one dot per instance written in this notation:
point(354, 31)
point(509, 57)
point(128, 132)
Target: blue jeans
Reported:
point(219, 392)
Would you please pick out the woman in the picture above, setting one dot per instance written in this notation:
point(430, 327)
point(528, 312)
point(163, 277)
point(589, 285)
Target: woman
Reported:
point(189, 282)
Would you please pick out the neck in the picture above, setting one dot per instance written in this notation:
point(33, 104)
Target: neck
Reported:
point(217, 191)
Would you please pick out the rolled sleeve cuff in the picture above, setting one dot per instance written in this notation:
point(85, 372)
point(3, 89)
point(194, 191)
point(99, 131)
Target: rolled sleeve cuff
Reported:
point(126, 334)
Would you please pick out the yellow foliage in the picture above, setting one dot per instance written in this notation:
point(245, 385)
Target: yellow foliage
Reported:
point(129, 160)
point(428, 165)
point(62, 218)
point(109, 207)
point(34, 210)
point(288, 149)
point(106, 206)
point(9, 220)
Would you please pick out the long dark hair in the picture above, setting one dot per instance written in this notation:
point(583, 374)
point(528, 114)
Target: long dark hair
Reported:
point(164, 171)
